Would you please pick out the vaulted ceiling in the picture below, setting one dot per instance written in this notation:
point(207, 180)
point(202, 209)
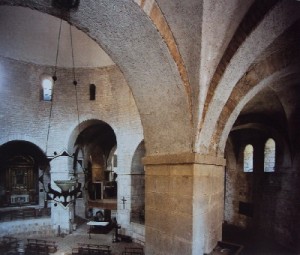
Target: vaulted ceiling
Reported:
point(193, 66)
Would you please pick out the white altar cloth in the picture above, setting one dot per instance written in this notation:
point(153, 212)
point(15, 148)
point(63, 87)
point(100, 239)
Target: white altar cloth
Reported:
point(97, 223)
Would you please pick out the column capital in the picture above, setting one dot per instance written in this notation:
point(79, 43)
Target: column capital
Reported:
point(183, 158)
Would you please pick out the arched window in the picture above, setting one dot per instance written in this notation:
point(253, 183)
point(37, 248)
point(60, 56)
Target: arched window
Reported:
point(47, 85)
point(269, 157)
point(248, 158)
point(92, 92)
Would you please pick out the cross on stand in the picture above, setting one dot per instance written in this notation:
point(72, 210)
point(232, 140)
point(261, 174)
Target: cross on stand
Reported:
point(123, 200)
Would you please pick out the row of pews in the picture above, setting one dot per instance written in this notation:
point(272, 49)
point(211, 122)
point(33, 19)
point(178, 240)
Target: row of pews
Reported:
point(7, 244)
point(39, 246)
point(24, 213)
point(133, 251)
point(95, 249)
point(13, 246)
point(91, 249)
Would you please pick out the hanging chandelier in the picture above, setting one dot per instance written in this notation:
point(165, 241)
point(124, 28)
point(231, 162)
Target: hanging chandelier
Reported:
point(70, 189)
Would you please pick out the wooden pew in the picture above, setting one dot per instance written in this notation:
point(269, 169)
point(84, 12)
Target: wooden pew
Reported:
point(7, 244)
point(133, 251)
point(41, 245)
point(91, 249)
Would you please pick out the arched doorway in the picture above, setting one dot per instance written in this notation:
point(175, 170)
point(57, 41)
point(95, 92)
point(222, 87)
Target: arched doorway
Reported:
point(21, 165)
point(95, 149)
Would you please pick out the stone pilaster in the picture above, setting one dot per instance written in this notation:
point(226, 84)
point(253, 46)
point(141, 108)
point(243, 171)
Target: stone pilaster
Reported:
point(184, 203)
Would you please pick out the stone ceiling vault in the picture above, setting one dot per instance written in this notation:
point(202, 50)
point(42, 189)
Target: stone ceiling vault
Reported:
point(186, 62)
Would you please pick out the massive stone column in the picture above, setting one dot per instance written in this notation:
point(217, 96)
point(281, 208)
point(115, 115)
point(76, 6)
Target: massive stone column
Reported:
point(184, 203)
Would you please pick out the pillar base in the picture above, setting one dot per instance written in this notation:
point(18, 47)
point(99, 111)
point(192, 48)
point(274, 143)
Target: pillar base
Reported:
point(184, 203)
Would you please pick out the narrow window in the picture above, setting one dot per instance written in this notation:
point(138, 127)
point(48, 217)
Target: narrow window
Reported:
point(47, 85)
point(92, 92)
point(269, 159)
point(248, 158)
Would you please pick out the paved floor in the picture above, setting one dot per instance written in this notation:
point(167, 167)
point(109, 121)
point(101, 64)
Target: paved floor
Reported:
point(80, 235)
point(253, 243)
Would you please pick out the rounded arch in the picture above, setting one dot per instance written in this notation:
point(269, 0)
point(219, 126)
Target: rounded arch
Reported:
point(228, 125)
point(24, 138)
point(283, 153)
point(73, 139)
point(21, 147)
point(121, 44)
point(269, 155)
point(95, 142)
point(239, 65)
point(21, 165)
point(248, 158)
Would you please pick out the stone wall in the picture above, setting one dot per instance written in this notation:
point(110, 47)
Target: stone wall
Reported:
point(24, 116)
point(271, 196)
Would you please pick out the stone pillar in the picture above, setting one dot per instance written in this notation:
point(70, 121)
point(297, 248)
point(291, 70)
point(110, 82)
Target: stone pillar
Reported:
point(61, 216)
point(124, 207)
point(184, 203)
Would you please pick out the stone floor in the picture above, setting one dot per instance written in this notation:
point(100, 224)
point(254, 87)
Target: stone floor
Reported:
point(254, 243)
point(80, 235)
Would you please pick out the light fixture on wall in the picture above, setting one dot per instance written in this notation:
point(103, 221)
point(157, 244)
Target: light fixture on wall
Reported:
point(70, 190)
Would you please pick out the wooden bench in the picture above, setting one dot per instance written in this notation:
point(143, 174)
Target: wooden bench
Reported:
point(133, 251)
point(41, 245)
point(91, 249)
point(34, 248)
point(23, 213)
point(7, 243)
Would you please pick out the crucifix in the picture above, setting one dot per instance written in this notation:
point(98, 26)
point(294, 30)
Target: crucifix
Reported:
point(123, 200)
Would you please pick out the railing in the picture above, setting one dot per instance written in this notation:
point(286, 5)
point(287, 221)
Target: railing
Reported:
point(24, 213)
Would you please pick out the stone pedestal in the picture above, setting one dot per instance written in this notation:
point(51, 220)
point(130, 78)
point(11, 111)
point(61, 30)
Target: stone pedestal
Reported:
point(184, 203)
point(62, 218)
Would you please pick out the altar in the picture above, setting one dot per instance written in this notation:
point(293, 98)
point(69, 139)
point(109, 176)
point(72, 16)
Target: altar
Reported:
point(98, 227)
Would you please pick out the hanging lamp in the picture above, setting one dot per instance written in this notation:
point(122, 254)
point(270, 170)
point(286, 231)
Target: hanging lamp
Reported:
point(70, 189)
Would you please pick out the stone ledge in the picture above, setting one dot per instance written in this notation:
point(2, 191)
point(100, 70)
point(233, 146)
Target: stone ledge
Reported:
point(184, 158)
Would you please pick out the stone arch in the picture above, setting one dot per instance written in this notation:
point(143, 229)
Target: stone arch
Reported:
point(22, 164)
point(237, 68)
point(72, 143)
point(25, 138)
point(120, 43)
point(259, 77)
point(95, 142)
point(227, 126)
